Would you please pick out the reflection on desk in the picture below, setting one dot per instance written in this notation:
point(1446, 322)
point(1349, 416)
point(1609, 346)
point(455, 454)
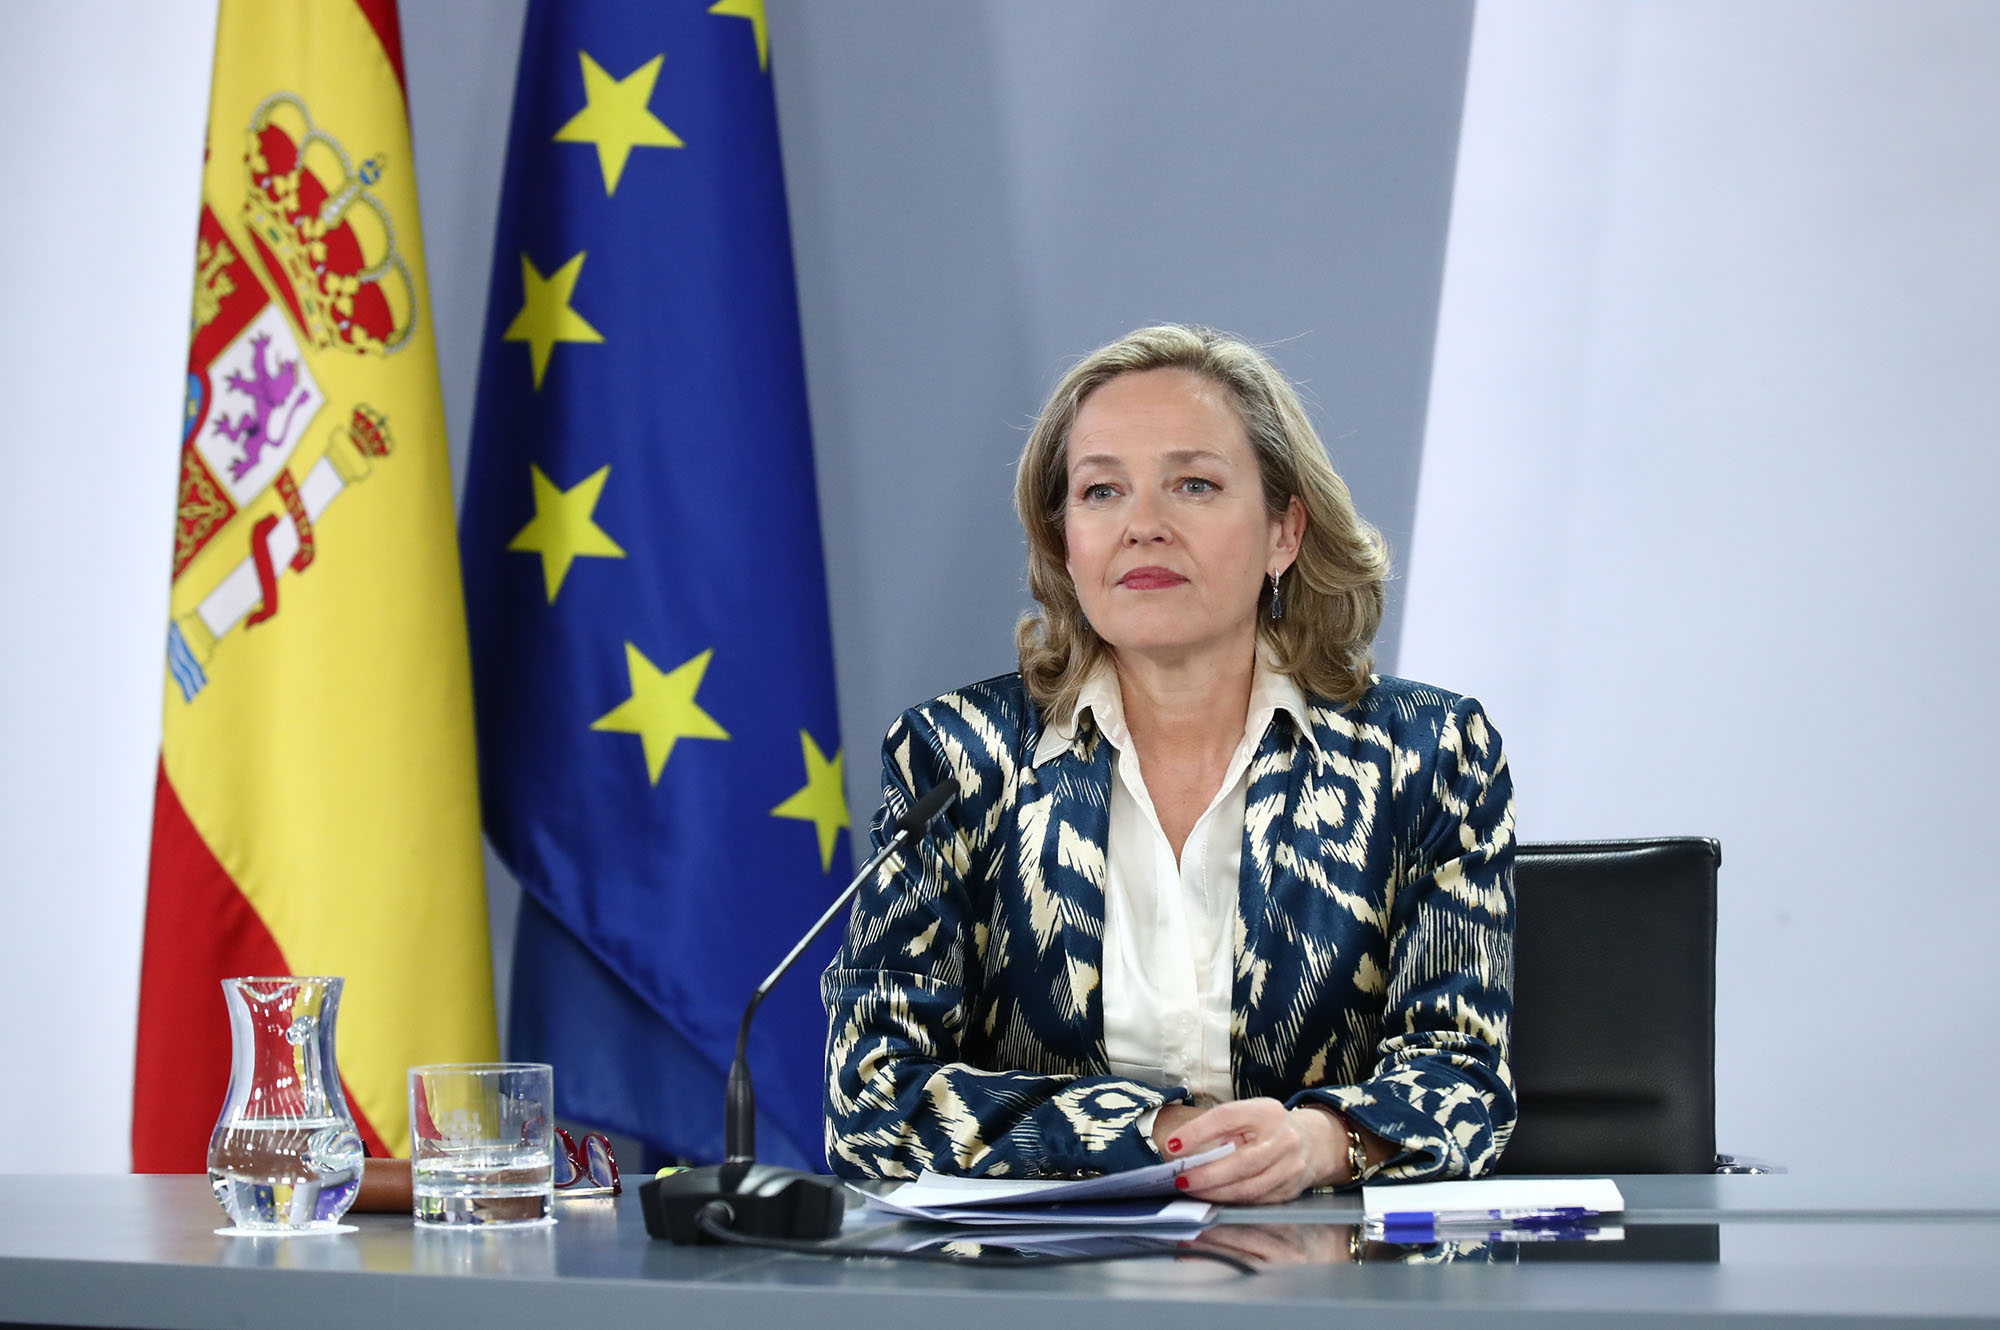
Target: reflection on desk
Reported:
point(1310, 1243)
point(1341, 1244)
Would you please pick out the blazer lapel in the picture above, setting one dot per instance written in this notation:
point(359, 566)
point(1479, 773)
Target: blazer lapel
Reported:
point(1278, 775)
point(1065, 822)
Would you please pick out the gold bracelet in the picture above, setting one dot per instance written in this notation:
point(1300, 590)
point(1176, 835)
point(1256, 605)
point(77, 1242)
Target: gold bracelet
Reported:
point(1357, 1156)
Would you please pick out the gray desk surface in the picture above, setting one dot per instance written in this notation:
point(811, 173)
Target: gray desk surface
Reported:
point(1784, 1250)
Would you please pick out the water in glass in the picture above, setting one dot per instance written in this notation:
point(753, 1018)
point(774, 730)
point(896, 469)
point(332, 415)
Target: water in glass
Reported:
point(485, 1184)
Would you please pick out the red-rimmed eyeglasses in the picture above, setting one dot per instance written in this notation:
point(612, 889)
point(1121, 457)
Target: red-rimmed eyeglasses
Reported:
point(586, 1170)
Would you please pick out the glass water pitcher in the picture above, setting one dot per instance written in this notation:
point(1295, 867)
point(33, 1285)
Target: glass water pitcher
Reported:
point(285, 1156)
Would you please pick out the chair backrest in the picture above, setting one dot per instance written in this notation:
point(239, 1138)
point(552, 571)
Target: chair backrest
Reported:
point(1614, 1007)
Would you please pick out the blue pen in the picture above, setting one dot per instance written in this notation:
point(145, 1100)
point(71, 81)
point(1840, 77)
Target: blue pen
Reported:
point(1557, 1214)
point(1423, 1226)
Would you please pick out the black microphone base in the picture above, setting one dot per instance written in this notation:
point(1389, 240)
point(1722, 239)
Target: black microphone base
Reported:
point(761, 1201)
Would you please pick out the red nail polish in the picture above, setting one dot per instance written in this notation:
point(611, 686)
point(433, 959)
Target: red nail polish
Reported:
point(1181, 1183)
point(1173, 1145)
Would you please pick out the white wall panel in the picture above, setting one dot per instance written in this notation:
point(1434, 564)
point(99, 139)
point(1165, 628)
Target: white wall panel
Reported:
point(1705, 507)
point(104, 106)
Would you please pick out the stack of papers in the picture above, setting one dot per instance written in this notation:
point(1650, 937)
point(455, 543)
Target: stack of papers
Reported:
point(1424, 1211)
point(1133, 1197)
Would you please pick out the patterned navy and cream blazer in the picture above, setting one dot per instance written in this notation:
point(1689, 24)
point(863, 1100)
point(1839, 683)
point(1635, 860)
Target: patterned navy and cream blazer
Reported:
point(1374, 950)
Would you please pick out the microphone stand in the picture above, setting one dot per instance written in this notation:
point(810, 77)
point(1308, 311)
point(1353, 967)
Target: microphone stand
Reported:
point(764, 1200)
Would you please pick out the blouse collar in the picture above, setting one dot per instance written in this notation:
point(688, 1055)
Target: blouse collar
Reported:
point(1271, 691)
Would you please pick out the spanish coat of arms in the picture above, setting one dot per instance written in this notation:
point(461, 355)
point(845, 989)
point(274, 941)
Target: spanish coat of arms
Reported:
point(264, 454)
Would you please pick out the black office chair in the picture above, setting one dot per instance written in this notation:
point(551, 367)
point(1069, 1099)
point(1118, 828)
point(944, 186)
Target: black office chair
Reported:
point(1614, 1007)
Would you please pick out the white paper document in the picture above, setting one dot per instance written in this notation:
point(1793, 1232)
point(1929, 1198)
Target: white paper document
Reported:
point(1041, 1239)
point(1144, 1212)
point(1115, 1198)
point(1496, 1199)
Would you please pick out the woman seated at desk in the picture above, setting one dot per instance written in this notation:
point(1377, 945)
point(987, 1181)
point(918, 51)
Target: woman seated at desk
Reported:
point(1208, 879)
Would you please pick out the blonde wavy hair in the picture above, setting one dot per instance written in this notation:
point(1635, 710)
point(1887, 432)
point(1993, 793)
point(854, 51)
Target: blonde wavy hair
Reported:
point(1332, 592)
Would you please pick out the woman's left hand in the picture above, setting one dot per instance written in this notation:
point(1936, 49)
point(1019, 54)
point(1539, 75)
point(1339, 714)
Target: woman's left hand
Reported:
point(1279, 1152)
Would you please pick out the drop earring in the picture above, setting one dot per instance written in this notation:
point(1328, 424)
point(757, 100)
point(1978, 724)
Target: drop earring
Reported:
point(1277, 600)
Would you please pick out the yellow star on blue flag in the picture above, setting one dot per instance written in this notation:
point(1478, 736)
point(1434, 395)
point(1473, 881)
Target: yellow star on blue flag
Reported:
point(562, 529)
point(661, 709)
point(823, 801)
point(616, 118)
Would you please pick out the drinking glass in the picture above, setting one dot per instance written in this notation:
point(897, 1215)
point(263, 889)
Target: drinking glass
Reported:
point(480, 1143)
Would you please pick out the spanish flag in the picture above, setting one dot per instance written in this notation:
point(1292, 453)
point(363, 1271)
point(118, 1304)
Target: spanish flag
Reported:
point(316, 810)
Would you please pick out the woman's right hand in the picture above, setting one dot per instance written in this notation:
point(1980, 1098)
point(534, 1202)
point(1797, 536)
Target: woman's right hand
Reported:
point(1280, 1152)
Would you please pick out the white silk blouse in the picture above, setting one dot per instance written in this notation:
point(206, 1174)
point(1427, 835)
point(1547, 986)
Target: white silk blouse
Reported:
point(1169, 924)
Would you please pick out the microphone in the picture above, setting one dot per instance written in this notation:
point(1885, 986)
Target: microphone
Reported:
point(763, 1200)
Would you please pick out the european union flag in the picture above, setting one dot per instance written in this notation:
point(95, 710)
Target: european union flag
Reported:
point(657, 748)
